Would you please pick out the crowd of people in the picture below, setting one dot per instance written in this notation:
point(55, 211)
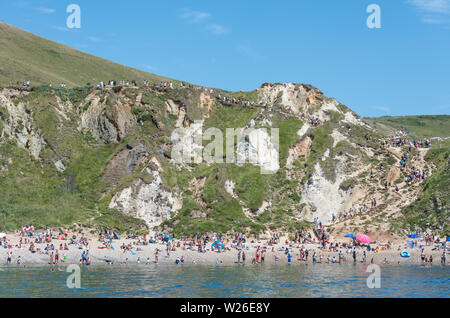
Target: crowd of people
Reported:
point(401, 142)
point(315, 122)
point(32, 238)
point(301, 248)
point(170, 85)
point(235, 101)
point(397, 142)
point(26, 83)
point(412, 174)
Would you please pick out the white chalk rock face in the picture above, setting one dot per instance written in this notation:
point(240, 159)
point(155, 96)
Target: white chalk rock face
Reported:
point(60, 166)
point(259, 148)
point(324, 195)
point(147, 201)
point(187, 144)
point(229, 187)
point(294, 97)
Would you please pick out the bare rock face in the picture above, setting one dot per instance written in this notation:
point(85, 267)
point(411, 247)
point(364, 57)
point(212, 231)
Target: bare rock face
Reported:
point(301, 149)
point(18, 124)
point(197, 214)
point(394, 174)
point(147, 201)
point(179, 111)
point(259, 149)
point(187, 144)
point(125, 162)
point(297, 98)
point(107, 123)
point(324, 195)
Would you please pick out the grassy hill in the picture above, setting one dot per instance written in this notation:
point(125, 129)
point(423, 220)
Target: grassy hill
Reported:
point(112, 139)
point(432, 204)
point(25, 56)
point(418, 126)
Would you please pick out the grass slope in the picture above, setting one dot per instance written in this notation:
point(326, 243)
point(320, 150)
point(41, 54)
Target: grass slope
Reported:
point(431, 209)
point(24, 56)
point(418, 126)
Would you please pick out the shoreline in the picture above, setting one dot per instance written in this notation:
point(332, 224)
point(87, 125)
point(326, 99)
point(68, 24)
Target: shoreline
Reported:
point(63, 266)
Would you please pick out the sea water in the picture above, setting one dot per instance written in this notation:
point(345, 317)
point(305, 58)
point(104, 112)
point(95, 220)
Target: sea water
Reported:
point(320, 280)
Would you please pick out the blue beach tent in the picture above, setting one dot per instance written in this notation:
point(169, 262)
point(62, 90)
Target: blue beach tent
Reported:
point(217, 244)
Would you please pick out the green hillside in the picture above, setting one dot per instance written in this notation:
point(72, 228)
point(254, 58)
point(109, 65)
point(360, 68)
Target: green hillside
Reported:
point(24, 56)
point(418, 126)
point(432, 204)
point(92, 157)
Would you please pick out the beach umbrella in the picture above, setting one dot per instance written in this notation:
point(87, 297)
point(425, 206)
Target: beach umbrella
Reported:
point(363, 238)
point(350, 235)
point(414, 236)
point(2, 235)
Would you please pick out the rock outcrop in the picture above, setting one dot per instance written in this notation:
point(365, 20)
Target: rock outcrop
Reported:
point(18, 123)
point(107, 123)
point(147, 200)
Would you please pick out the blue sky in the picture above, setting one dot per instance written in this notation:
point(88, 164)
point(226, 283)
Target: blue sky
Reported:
point(401, 69)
